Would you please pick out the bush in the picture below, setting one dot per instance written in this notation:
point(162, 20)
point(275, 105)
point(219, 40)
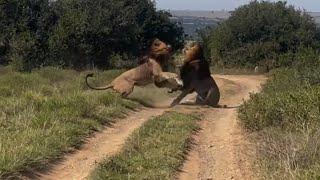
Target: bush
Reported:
point(122, 61)
point(293, 110)
point(257, 33)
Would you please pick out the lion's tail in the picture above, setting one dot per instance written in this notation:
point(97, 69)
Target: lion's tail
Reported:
point(227, 107)
point(222, 106)
point(96, 88)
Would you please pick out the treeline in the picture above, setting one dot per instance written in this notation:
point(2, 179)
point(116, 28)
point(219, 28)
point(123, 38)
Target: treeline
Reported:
point(261, 33)
point(80, 33)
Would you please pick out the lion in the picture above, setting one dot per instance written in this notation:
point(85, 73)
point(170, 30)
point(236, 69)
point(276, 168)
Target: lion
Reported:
point(196, 76)
point(148, 72)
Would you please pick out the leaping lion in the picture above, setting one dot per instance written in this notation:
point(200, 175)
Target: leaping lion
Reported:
point(150, 71)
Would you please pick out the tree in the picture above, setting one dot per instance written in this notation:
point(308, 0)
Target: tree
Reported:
point(25, 28)
point(92, 31)
point(257, 33)
point(75, 33)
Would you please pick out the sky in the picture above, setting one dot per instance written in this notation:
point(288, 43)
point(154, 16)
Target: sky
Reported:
point(309, 5)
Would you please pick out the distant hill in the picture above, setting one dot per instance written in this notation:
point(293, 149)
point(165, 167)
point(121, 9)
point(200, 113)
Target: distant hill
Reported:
point(316, 16)
point(194, 20)
point(217, 15)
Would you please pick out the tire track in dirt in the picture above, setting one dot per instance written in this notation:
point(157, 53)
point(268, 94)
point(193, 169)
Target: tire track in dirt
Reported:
point(79, 164)
point(221, 147)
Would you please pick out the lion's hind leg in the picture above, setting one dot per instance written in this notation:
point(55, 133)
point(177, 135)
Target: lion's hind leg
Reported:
point(125, 88)
point(126, 93)
point(208, 98)
point(212, 98)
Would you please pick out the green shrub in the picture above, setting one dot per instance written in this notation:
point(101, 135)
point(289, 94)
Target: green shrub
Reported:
point(258, 33)
point(293, 110)
point(121, 61)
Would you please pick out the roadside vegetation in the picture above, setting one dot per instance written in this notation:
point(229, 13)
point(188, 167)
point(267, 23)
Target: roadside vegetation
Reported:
point(284, 119)
point(155, 151)
point(48, 112)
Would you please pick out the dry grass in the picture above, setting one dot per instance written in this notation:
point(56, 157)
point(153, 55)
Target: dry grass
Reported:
point(155, 151)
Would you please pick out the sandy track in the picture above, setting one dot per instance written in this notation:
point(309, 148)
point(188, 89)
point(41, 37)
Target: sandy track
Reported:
point(220, 150)
point(78, 165)
point(216, 155)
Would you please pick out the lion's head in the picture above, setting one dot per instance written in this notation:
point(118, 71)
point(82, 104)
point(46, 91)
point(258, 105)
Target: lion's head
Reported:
point(159, 48)
point(195, 65)
point(159, 51)
point(193, 51)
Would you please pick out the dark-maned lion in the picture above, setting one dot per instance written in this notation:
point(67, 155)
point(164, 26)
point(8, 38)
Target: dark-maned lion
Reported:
point(148, 72)
point(196, 76)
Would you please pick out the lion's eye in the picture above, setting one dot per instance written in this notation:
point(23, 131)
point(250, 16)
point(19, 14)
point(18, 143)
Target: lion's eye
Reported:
point(157, 44)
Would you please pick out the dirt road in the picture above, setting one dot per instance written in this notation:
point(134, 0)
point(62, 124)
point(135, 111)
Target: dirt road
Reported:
point(215, 157)
point(221, 150)
point(78, 165)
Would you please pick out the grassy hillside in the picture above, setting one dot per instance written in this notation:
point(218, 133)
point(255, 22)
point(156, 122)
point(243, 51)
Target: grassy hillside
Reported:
point(48, 112)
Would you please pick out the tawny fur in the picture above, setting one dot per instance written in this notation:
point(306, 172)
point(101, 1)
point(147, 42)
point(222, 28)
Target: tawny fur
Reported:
point(148, 72)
